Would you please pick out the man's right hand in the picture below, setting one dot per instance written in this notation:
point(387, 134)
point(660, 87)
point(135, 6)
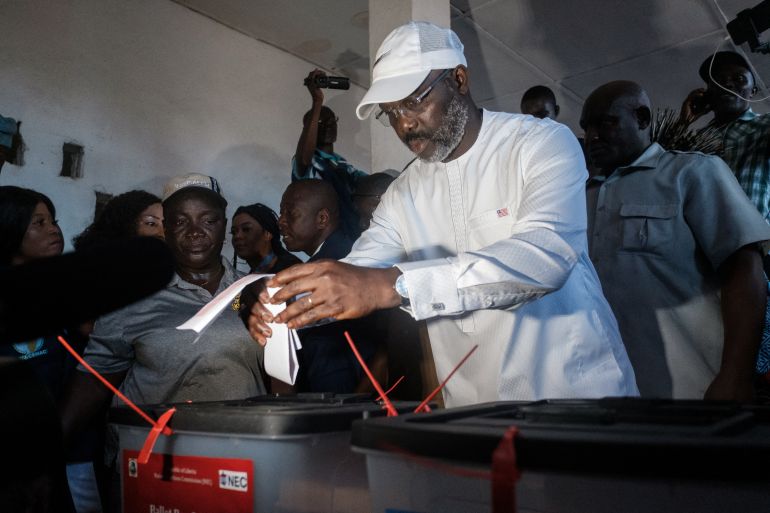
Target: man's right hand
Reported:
point(329, 290)
point(694, 106)
point(253, 312)
point(315, 92)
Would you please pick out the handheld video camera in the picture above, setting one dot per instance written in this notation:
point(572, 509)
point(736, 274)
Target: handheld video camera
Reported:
point(330, 82)
point(749, 24)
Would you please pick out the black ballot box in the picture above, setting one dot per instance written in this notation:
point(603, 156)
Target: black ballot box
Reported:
point(601, 456)
point(264, 454)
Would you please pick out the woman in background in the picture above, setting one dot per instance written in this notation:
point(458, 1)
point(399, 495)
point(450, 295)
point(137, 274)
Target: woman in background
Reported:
point(131, 214)
point(29, 231)
point(256, 240)
point(28, 227)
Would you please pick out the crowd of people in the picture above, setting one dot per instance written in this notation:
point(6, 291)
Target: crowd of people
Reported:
point(643, 277)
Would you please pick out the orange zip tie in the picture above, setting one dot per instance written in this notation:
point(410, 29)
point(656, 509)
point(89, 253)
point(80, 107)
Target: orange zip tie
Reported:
point(424, 405)
point(388, 391)
point(505, 473)
point(388, 405)
point(149, 442)
point(156, 425)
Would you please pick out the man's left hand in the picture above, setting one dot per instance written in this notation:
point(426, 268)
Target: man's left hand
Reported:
point(336, 290)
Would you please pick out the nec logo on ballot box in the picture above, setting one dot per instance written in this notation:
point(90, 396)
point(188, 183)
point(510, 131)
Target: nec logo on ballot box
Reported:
point(232, 480)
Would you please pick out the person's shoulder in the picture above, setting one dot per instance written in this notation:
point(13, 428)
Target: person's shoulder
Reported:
point(412, 175)
point(695, 167)
point(508, 122)
point(336, 246)
point(523, 122)
point(284, 261)
point(762, 120)
point(118, 321)
point(524, 132)
point(697, 159)
point(231, 273)
point(339, 162)
point(679, 159)
point(142, 305)
point(412, 167)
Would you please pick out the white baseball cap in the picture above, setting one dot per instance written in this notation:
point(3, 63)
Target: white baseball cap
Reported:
point(190, 180)
point(404, 60)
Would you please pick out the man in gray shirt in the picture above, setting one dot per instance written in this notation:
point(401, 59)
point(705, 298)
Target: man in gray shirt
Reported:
point(675, 242)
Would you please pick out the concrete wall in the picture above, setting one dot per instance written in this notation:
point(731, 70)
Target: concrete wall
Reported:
point(152, 89)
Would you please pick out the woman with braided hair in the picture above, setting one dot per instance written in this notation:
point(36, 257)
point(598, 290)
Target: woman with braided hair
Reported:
point(257, 240)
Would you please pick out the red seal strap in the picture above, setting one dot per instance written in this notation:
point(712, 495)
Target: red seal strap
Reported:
point(505, 473)
point(160, 427)
point(424, 405)
point(388, 405)
point(152, 437)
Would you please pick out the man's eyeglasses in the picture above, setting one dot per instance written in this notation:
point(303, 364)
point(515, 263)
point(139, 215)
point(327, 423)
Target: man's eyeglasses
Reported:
point(411, 105)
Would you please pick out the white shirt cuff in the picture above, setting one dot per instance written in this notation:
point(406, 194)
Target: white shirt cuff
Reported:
point(432, 288)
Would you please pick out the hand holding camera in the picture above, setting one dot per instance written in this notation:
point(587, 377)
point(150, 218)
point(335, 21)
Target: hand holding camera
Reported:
point(700, 103)
point(310, 82)
point(318, 79)
point(695, 105)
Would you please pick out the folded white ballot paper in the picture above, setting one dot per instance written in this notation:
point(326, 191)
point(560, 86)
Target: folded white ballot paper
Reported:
point(281, 349)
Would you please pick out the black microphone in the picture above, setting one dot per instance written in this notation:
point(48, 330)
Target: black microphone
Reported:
point(47, 295)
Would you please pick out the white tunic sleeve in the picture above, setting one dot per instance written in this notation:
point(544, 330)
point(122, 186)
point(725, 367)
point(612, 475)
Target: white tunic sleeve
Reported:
point(536, 251)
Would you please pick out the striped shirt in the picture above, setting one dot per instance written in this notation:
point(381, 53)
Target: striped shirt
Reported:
point(333, 168)
point(747, 152)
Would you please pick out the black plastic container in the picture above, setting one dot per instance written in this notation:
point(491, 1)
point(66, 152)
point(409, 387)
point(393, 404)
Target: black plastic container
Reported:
point(609, 455)
point(299, 447)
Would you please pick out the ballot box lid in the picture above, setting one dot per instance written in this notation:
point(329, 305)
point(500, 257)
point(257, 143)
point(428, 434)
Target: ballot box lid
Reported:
point(269, 415)
point(619, 436)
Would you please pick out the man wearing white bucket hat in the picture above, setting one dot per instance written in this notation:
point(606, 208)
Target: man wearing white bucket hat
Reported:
point(484, 236)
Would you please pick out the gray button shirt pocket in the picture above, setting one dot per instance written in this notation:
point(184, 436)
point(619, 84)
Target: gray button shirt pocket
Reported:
point(647, 228)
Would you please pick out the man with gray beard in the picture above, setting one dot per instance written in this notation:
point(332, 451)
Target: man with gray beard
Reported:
point(484, 236)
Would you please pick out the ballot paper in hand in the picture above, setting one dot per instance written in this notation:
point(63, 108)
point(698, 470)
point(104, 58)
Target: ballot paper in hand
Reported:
point(281, 349)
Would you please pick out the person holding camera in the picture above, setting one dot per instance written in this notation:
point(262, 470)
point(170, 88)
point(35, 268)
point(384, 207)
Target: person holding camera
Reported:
point(315, 157)
point(730, 85)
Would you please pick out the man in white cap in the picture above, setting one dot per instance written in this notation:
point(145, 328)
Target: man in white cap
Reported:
point(484, 236)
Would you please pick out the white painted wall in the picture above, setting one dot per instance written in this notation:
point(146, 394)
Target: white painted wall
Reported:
point(152, 89)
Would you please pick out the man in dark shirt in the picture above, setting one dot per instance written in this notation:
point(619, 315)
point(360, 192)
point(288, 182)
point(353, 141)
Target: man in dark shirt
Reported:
point(310, 222)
